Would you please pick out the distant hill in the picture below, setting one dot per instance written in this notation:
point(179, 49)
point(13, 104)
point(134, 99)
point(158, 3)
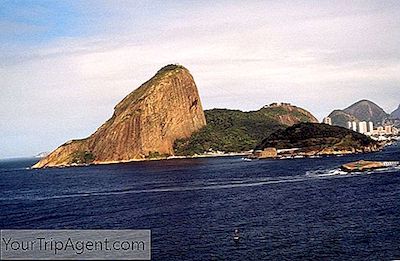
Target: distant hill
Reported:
point(366, 110)
point(395, 114)
point(363, 110)
point(236, 131)
point(340, 118)
point(316, 135)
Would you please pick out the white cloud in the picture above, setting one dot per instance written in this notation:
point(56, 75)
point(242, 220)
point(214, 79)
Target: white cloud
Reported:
point(242, 55)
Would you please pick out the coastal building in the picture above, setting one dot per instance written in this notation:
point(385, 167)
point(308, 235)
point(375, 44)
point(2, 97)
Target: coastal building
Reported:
point(354, 125)
point(381, 133)
point(266, 153)
point(362, 127)
point(327, 120)
point(370, 127)
point(349, 124)
point(278, 104)
point(388, 129)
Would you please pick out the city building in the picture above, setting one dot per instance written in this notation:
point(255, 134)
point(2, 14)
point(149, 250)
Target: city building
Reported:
point(381, 133)
point(388, 129)
point(327, 120)
point(266, 153)
point(380, 130)
point(362, 127)
point(370, 127)
point(354, 125)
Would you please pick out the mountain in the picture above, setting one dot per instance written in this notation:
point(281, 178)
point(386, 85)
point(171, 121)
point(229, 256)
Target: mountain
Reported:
point(340, 118)
point(317, 136)
point(395, 114)
point(236, 131)
point(363, 110)
point(145, 123)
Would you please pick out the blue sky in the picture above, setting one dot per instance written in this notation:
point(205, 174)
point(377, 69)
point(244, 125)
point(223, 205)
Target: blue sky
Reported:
point(65, 64)
point(36, 22)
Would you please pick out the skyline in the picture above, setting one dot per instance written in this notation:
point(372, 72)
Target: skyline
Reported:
point(66, 64)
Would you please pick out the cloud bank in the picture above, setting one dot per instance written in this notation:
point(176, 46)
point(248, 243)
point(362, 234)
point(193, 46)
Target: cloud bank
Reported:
point(63, 68)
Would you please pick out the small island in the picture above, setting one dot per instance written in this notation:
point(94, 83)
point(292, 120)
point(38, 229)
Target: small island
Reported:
point(363, 165)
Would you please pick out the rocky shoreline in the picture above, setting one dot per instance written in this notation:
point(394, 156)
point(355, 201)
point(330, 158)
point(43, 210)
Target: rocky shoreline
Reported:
point(313, 152)
point(197, 156)
point(281, 154)
point(363, 165)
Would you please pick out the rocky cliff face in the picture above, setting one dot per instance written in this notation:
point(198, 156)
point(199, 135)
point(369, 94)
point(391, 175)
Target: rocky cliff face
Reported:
point(144, 124)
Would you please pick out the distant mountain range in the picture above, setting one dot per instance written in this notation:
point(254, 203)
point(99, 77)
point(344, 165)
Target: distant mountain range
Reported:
point(363, 110)
point(395, 114)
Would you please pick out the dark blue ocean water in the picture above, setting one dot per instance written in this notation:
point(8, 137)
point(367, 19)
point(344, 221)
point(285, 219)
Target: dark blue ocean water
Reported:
point(285, 209)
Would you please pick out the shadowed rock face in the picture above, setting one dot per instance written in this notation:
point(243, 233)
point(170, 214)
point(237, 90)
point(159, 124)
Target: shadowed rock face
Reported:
point(144, 123)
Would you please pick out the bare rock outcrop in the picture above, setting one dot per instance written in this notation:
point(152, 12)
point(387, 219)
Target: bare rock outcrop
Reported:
point(145, 123)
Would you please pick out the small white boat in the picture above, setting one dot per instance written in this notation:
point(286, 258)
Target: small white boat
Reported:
point(236, 235)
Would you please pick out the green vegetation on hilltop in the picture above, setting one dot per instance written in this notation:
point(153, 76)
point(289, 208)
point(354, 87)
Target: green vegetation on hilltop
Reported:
point(237, 131)
point(169, 67)
point(315, 135)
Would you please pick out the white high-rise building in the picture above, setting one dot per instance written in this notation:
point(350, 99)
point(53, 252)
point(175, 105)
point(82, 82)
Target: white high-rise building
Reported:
point(327, 120)
point(349, 124)
point(354, 125)
point(362, 127)
point(370, 127)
